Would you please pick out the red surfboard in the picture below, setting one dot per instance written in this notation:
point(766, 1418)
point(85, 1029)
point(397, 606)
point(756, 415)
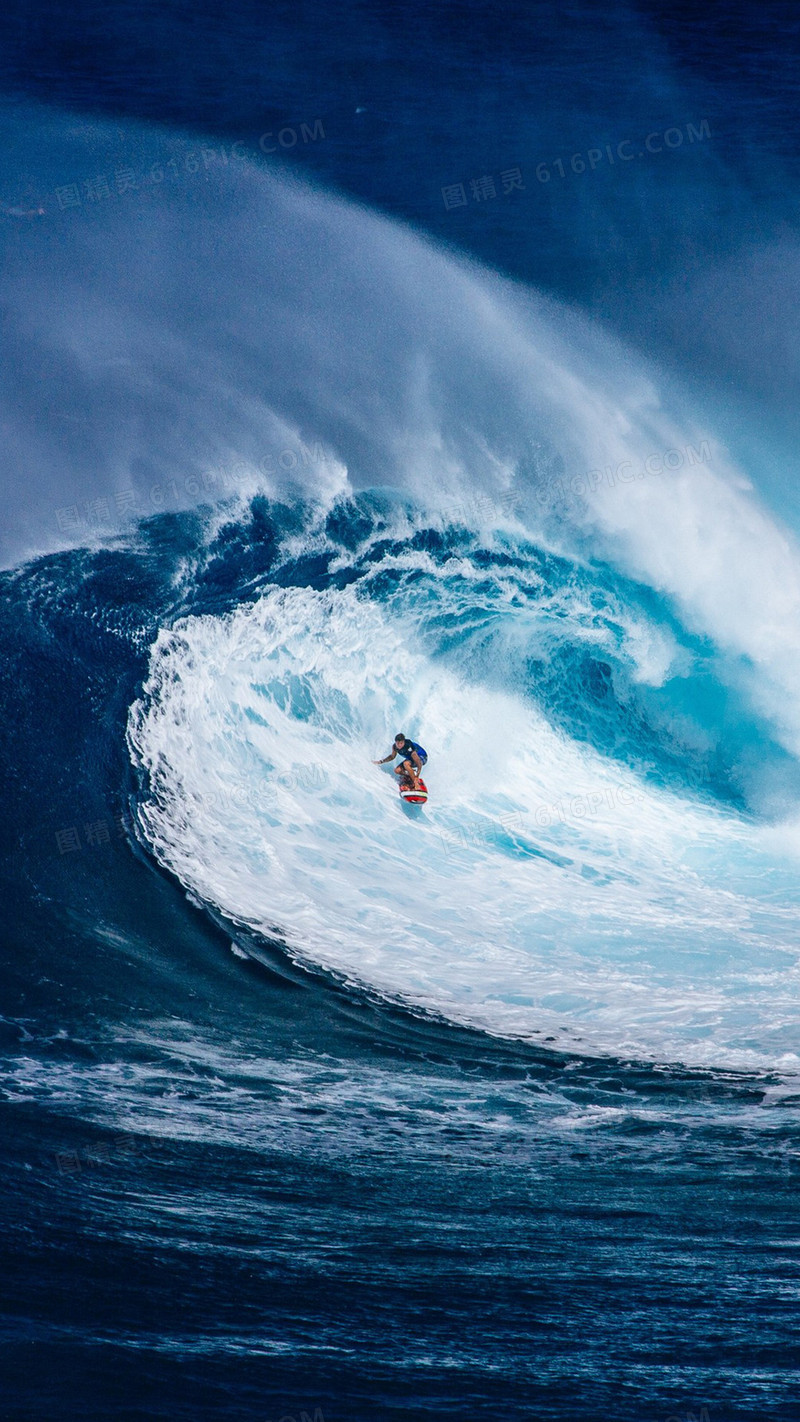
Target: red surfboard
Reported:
point(412, 796)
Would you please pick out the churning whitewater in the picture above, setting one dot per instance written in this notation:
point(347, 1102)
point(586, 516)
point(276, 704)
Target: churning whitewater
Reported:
point(593, 874)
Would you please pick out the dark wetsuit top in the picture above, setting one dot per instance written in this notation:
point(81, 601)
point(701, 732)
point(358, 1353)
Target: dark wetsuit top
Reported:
point(407, 748)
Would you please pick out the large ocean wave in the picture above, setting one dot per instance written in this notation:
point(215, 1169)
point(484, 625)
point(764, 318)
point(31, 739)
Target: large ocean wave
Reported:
point(590, 870)
point(446, 504)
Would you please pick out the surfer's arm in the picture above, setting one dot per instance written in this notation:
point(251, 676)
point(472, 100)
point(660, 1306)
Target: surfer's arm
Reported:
point(391, 756)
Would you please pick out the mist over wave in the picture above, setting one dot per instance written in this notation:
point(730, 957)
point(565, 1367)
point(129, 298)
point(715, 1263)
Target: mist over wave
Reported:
point(296, 344)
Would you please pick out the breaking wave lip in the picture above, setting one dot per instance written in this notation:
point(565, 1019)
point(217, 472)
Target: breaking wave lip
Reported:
point(648, 923)
point(304, 322)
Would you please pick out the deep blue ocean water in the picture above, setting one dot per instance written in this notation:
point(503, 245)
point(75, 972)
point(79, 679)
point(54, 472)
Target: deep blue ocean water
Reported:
point(469, 410)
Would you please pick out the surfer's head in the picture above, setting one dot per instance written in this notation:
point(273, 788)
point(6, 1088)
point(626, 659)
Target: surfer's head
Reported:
point(400, 739)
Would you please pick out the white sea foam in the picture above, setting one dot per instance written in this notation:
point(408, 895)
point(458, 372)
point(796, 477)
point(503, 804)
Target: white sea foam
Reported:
point(545, 890)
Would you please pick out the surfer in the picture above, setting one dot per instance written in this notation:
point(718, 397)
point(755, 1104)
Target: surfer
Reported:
point(412, 758)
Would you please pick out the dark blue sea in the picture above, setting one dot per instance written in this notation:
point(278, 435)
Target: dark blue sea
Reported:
point(396, 367)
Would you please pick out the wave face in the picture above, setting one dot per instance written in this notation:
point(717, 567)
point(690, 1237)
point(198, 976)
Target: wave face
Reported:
point(589, 868)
